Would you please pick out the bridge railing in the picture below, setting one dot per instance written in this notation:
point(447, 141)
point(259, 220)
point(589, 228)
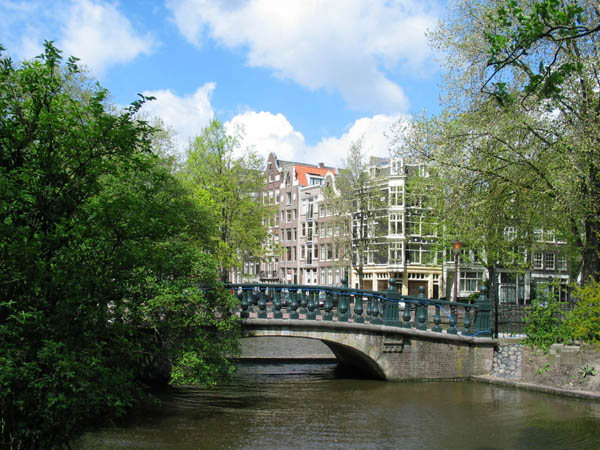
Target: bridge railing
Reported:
point(343, 304)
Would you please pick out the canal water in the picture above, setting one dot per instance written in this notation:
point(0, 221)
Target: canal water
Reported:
point(313, 406)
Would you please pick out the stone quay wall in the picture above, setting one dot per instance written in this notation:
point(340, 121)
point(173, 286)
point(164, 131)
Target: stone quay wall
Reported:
point(566, 369)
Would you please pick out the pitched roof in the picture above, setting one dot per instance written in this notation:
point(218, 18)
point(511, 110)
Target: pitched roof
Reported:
point(302, 172)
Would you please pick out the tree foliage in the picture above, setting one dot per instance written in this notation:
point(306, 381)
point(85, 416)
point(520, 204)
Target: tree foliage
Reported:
point(104, 260)
point(358, 205)
point(584, 320)
point(231, 186)
point(545, 320)
point(521, 123)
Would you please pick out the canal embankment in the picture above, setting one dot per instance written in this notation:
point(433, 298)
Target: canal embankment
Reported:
point(572, 370)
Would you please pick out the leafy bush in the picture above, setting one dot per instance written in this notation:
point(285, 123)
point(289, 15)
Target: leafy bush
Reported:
point(584, 319)
point(544, 324)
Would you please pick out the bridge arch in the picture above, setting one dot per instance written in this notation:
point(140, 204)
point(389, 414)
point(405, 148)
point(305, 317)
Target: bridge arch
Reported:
point(386, 352)
point(348, 357)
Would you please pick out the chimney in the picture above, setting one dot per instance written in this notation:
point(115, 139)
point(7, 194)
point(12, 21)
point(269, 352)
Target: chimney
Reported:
point(321, 165)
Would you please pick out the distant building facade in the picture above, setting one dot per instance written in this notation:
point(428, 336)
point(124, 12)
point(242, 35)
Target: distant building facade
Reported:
point(301, 247)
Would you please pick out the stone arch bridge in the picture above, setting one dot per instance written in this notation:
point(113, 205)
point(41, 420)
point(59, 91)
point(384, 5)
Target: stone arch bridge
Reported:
point(401, 338)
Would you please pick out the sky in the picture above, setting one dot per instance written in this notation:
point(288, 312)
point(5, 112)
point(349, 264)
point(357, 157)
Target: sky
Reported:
point(301, 78)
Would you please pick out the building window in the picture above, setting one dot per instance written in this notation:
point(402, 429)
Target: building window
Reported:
point(288, 198)
point(288, 216)
point(396, 224)
point(471, 281)
point(378, 253)
point(538, 260)
point(395, 195)
point(561, 263)
point(396, 253)
point(510, 233)
point(550, 261)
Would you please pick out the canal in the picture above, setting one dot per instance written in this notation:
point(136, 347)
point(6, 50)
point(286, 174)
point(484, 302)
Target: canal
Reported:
point(301, 405)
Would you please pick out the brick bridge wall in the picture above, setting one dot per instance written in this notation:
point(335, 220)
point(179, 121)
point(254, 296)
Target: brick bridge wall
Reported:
point(387, 352)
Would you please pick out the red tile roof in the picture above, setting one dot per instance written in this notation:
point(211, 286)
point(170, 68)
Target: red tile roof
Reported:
point(303, 171)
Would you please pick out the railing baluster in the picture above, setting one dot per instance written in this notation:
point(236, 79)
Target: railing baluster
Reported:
point(310, 315)
point(343, 306)
point(421, 313)
point(303, 302)
point(246, 308)
point(262, 303)
point(328, 306)
point(375, 311)
point(437, 319)
point(467, 323)
point(293, 303)
point(358, 308)
point(452, 321)
point(336, 304)
point(277, 314)
point(315, 296)
point(406, 315)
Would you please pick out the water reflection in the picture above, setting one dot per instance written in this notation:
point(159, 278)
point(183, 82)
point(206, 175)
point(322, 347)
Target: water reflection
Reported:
point(306, 406)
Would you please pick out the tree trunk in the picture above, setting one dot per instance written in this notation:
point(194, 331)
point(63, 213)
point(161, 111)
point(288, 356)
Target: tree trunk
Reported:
point(590, 264)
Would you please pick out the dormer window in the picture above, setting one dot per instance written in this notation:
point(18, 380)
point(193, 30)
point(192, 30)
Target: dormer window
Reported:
point(315, 181)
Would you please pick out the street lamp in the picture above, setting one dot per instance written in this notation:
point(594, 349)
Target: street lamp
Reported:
point(456, 250)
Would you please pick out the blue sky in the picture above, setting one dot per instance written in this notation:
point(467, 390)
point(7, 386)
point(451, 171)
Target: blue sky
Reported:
point(302, 78)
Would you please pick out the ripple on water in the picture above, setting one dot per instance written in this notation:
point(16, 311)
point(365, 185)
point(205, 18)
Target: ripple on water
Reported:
point(304, 406)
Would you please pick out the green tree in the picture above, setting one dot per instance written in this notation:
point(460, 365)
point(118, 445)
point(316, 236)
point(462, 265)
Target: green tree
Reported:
point(521, 114)
point(469, 193)
point(359, 203)
point(104, 260)
point(231, 185)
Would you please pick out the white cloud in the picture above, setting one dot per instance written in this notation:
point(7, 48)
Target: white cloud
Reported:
point(100, 36)
point(186, 115)
point(373, 130)
point(267, 132)
point(93, 30)
point(344, 45)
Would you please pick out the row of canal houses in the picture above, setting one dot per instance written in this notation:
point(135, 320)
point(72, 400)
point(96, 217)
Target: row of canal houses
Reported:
point(301, 245)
